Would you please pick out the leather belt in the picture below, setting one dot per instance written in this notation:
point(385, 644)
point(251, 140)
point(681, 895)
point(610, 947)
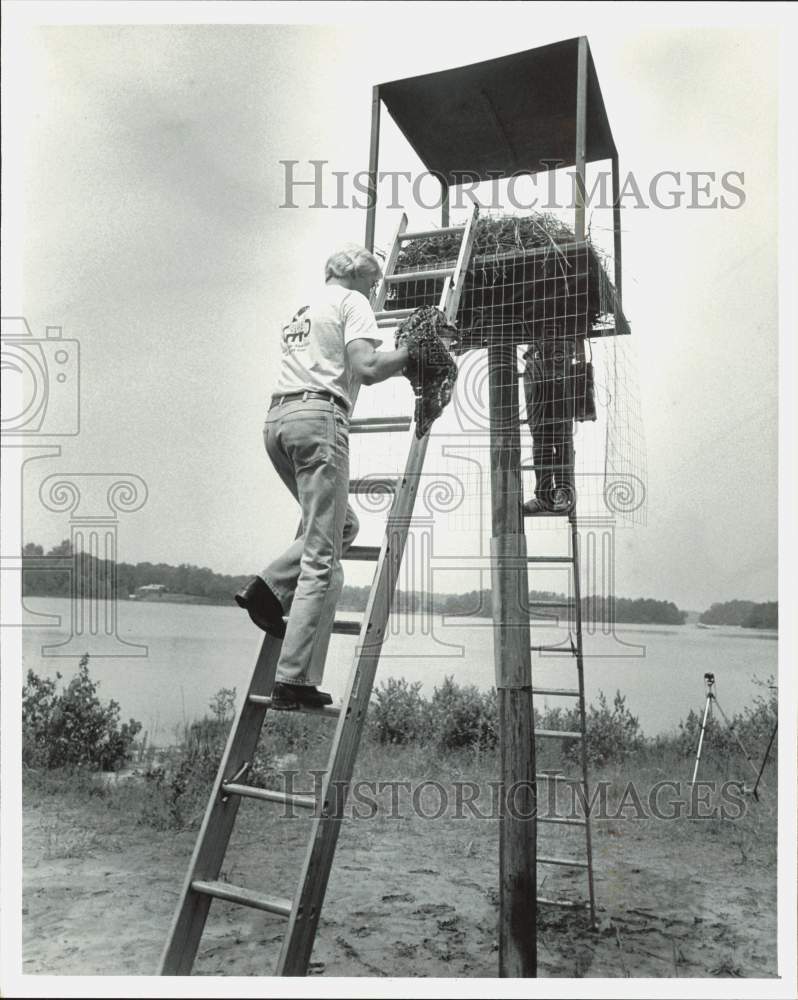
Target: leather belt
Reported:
point(291, 397)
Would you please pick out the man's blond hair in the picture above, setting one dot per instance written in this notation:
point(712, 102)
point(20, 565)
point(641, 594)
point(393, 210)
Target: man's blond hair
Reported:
point(352, 261)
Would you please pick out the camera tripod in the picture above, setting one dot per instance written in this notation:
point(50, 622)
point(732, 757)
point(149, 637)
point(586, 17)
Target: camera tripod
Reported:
point(712, 699)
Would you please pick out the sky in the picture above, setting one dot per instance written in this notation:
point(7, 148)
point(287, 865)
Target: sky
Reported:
point(151, 230)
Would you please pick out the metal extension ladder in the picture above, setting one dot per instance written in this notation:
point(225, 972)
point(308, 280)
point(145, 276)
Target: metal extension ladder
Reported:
point(575, 651)
point(202, 883)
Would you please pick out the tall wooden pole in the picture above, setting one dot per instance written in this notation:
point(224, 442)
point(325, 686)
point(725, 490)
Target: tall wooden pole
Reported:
point(510, 595)
point(581, 136)
point(374, 156)
point(444, 203)
point(616, 228)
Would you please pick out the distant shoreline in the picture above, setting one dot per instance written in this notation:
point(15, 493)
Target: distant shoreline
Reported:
point(175, 599)
point(168, 598)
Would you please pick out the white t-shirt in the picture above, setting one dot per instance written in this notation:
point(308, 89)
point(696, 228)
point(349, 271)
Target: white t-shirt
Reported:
point(314, 343)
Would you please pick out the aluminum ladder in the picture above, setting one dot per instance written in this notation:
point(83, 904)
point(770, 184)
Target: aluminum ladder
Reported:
point(202, 884)
point(575, 651)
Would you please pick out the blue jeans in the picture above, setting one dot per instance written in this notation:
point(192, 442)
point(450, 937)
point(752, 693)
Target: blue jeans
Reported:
point(308, 444)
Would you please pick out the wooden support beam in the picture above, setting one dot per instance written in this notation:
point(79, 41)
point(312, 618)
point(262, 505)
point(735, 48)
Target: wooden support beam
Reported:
point(518, 827)
point(581, 136)
point(616, 228)
point(374, 158)
point(444, 204)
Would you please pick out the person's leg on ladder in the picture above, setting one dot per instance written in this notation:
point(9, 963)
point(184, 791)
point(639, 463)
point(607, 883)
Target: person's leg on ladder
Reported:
point(315, 441)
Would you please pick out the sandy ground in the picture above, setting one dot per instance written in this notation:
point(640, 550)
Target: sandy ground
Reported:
point(408, 897)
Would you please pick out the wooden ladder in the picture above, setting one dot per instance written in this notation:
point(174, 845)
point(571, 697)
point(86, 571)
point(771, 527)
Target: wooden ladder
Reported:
point(202, 884)
point(575, 651)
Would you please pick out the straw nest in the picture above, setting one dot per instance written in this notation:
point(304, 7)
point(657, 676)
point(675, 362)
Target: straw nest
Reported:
point(526, 273)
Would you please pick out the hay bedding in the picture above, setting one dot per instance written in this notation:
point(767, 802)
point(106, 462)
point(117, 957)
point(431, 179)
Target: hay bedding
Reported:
point(527, 274)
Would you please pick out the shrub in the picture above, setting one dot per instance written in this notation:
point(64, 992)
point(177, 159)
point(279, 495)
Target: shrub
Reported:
point(73, 728)
point(612, 733)
point(462, 716)
point(180, 788)
point(398, 713)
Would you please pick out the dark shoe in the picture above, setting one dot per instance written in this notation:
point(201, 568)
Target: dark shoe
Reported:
point(290, 697)
point(534, 506)
point(262, 606)
point(563, 500)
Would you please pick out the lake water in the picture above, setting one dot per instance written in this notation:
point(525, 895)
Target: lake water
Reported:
point(193, 650)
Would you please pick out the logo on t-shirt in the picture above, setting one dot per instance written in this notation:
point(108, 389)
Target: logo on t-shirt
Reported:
point(296, 333)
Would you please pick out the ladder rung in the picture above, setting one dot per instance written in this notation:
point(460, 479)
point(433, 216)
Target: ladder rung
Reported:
point(551, 604)
point(560, 821)
point(550, 559)
point(379, 425)
point(551, 649)
point(431, 275)
point(569, 904)
point(557, 777)
point(531, 467)
point(553, 734)
point(425, 234)
point(269, 795)
point(565, 862)
point(393, 313)
point(373, 485)
point(235, 894)
point(346, 628)
point(362, 553)
point(548, 513)
point(329, 711)
point(558, 692)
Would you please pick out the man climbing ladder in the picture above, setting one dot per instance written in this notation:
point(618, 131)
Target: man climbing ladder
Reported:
point(426, 355)
point(328, 351)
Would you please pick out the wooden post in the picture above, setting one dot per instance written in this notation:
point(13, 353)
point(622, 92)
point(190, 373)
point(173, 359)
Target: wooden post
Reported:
point(581, 136)
point(510, 598)
point(616, 228)
point(444, 204)
point(374, 156)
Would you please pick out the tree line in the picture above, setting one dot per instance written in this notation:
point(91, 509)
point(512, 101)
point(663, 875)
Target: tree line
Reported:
point(640, 610)
point(57, 580)
point(748, 614)
point(218, 588)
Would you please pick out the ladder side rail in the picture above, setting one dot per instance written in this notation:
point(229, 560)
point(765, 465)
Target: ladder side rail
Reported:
point(217, 825)
point(582, 710)
point(306, 909)
point(454, 287)
point(390, 264)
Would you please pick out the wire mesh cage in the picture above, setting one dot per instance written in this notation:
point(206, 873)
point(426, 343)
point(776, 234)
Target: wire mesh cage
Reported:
point(533, 285)
point(528, 275)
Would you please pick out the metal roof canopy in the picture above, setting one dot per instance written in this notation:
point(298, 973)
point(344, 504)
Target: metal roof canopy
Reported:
point(500, 117)
point(528, 112)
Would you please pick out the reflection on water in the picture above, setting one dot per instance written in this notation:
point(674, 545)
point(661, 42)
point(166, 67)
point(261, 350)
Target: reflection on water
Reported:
point(193, 650)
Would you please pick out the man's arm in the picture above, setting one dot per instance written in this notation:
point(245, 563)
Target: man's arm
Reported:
point(372, 366)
